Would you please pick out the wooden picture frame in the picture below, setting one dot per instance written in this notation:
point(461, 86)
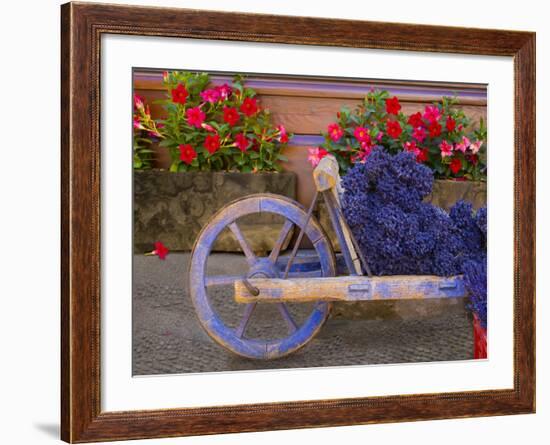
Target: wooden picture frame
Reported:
point(82, 26)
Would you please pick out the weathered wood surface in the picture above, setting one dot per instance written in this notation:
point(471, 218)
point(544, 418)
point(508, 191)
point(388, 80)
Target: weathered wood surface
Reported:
point(326, 86)
point(350, 288)
point(326, 175)
point(236, 339)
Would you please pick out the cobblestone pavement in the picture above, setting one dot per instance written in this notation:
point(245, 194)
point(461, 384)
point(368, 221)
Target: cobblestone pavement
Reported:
point(167, 337)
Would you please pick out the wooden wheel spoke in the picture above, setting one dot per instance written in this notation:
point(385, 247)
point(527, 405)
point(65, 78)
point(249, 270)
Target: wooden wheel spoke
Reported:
point(222, 280)
point(280, 241)
point(247, 250)
point(245, 319)
point(283, 309)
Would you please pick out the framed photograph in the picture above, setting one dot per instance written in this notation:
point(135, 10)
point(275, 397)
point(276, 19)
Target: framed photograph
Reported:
point(276, 222)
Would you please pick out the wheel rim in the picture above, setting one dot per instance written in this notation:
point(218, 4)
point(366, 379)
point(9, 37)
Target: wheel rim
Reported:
point(233, 338)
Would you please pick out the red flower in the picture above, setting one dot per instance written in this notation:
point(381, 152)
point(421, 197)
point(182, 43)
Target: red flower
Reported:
point(451, 124)
point(230, 115)
point(249, 106)
point(411, 146)
point(394, 129)
point(187, 153)
point(195, 117)
point(419, 134)
point(179, 94)
point(456, 165)
point(160, 250)
point(362, 134)
point(474, 159)
point(283, 137)
point(422, 156)
point(392, 105)
point(335, 132)
point(241, 142)
point(415, 120)
point(435, 129)
point(212, 143)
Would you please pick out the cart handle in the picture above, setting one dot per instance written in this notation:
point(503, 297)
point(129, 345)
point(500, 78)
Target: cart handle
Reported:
point(326, 175)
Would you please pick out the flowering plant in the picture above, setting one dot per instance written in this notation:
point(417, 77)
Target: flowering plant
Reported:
point(216, 127)
point(143, 154)
point(439, 136)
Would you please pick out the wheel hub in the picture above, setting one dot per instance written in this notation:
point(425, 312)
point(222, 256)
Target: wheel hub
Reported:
point(263, 268)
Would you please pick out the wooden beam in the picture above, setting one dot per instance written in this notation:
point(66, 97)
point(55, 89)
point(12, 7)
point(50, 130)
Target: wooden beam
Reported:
point(350, 288)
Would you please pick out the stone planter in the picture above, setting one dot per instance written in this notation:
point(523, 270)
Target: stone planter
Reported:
point(444, 194)
point(173, 207)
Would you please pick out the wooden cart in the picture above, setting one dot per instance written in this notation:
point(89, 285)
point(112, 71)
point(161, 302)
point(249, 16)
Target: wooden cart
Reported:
point(281, 280)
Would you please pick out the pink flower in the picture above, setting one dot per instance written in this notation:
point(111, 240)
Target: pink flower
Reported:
point(315, 155)
point(379, 136)
point(224, 91)
point(212, 95)
point(138, 102)
point(242, 142)
point(475, 146)
point(419, 133)
point(137, 123)
point(362, 134)
point(195, 117)
point(283, 137)
point(446, 149)
point(335, 131)
point(432, 113)
point(209, 128)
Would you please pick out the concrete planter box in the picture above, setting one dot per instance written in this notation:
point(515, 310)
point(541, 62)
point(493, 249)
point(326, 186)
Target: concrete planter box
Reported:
point(173, 207)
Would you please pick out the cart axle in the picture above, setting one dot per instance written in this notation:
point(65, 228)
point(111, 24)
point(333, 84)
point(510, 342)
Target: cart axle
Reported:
point(349, 288)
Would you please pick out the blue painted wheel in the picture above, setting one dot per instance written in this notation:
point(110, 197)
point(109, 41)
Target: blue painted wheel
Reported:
point(235, 331)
